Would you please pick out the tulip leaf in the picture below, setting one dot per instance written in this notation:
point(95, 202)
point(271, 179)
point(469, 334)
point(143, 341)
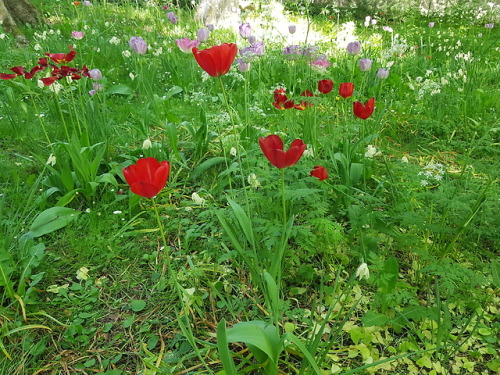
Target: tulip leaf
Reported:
point(120, 89)
point(52, 219)
point(224, 352)
point(207, 164)
point(372, 319)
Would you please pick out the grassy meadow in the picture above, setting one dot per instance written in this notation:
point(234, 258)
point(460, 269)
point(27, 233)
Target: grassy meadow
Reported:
point(326, 203)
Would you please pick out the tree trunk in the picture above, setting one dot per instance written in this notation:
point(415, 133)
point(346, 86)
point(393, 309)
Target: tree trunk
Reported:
point(15, 13)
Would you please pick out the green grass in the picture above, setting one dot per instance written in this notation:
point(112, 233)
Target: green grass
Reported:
point(97, 293)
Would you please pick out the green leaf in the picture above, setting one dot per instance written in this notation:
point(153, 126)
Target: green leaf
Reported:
point(495, 273)
point(52, 219)
point(207, 164)
point(119, 89)
point(138, 305)
point(243, 220)
point(224, 352)
point(372, 318)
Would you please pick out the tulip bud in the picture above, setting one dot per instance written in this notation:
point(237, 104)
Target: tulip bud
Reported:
point(431, 24)
point(77, 34)
point(210, 27)
point(95, 74)
point(172, 18)
point(382, 73)
point(203, 34)
point(292, 29)
point(243, 66)
point(245, 30)
point(353, 48)
point(365, 64)
point(138, 45)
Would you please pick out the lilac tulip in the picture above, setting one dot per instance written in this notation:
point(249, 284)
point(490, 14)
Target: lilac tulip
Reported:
point(382, 73)
point(252, 39)
point(365, 64)
point(489, 25)
point(186, 45)
point(97, 86)
point(203, 34)
point(87, 3)
point(292, 29)
point(210, 27)
point(172, 18)
point(245, 30)
point(353, 48)
point(138, 45)
point(243, 66)
point(95, 74)
point(431, 24)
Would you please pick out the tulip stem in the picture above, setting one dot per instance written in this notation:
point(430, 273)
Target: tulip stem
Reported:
point(283, 198)
point(167, 266)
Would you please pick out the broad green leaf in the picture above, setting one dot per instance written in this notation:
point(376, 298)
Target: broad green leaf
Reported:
point(243, 220)
point(52, 219)
point(138, 305)
point(372, 318)
point(119, 89)
point(495, 273)
point(207, 164)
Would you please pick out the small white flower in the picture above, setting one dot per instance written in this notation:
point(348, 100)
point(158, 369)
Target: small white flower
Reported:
point(51, 160)
point(37, 47)
point(424, 183)
point(371, 151)
point(197, 199)
point(117, 212)
point(147, 144)
point(132, 76)
point(82, 273)
point(252, 181)
point(309, 152)
point(363, 272)
point(126, 53)
point(233, 151)
point(404, 159)
point(114, 40)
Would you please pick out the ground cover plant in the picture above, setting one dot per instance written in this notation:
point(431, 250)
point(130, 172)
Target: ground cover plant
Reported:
point(310, 194)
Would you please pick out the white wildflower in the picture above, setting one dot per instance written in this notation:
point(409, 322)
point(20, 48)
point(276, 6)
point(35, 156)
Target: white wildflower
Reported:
point(197, 199)
point(51, 160)
point(253, 181)
point(363, 272)
point(147, 144)
point(82, 273)
point(233, 151)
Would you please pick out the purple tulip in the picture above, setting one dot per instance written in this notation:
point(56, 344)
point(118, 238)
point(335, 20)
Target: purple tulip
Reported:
point(95, 74)
point(186, 44)
point(245, 30)
point(292, 29)
point(210, 27)
point(353, 48)
point(203, 34)
point(97, 86)
point(87, 3)
point(489, 25)
point(431, 24)
point(365, 64)
point(252, 39)
point(382, 73)
point(138, 45)
point(172, 18)
point(320, 64)
point(243, 66)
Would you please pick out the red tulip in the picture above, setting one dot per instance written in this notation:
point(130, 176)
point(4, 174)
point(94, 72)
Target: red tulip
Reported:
point(319, 172)
point(364, 111)
point(61, 58)
point(325, 86)
point(217, 60)
point(346, 89)
point(272, 147)
point(147, 177)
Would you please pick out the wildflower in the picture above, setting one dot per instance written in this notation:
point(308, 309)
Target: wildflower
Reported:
point(371, 151)
point(82, 273)
point(138, 45)
point(272, 147)
point(325, 86)
point(253, 181)
point(319, 172)
point(292, 29)
point(489, 25)
point(51, 160)
point(172, 18)
point(147, 177)
point(203, 35)
point(77, 35)
point(364, 111)
point(388, 29)
point(147, 144)
point(186, 45)
point(217, 60)
point(114, 40)
point(365, 64)
point(197, 199)
point(126, 53)
point(353, 48)
point(245, 30)
point(382, 73)
point(346, 89)
point(233, 151)
point(363, 272)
